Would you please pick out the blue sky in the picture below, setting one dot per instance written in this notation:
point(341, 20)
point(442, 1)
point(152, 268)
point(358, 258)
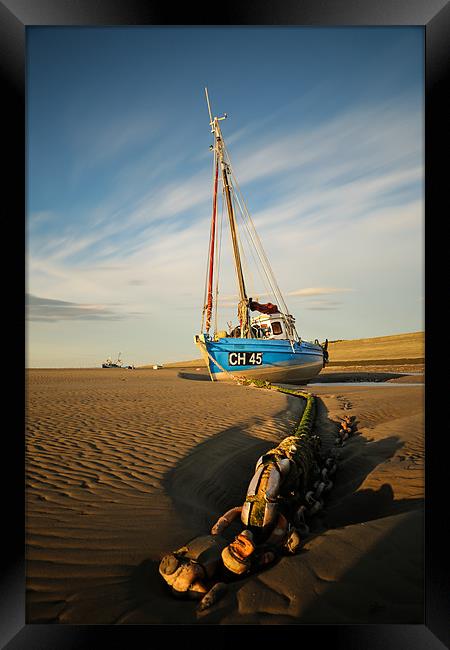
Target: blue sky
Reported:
point(325, 132)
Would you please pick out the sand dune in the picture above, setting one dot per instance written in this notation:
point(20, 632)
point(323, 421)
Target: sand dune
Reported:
point(399, 346)
point(407, 348)
point(123, 466)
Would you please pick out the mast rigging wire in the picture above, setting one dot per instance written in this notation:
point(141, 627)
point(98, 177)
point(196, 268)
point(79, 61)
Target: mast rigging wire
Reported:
point(251, 235)
point(256, 240)
point(205, 296)
point(218, 258)
point(260, 250)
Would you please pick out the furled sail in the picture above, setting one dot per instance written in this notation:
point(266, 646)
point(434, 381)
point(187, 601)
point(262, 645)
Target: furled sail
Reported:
point(264, 308)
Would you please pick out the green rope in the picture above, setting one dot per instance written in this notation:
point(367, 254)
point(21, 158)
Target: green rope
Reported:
point(300, 447)
point(307, 420)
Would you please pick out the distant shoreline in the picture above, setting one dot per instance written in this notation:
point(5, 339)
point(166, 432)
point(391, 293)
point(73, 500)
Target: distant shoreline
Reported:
point(391, 350)
point(379, 362)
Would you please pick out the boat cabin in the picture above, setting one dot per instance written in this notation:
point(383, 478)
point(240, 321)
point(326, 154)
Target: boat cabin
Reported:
point(269, 326)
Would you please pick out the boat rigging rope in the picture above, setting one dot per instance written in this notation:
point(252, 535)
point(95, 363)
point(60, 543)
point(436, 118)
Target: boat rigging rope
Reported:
point(257, 242)
point(269, 276)
point(252, 238)
point(272, 286)
point(211, 234)
point(218, 258)
point(251, 248)
point(259, 249)
point(248, 273)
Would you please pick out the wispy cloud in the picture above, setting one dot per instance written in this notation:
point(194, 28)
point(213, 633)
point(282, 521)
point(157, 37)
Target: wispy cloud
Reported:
point(328, 205)
point(321, 307)
point(96, 143)
point(375, 136)
point(51, 310)
point(317, 291)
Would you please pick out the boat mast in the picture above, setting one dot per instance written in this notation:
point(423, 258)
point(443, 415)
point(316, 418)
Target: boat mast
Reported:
point(213, 235)
point(243, 303)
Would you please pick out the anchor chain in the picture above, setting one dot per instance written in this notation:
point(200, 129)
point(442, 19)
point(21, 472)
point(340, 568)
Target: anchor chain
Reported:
point(324, 466)
point(348, 429)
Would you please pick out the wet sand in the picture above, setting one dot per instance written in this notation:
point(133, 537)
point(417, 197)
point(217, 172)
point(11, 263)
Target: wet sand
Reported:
point(123, 466)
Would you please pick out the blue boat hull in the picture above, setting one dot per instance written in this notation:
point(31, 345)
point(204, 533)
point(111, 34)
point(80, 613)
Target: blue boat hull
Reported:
point(267, 359)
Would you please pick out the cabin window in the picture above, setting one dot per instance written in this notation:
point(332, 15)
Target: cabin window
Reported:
point(276, 328)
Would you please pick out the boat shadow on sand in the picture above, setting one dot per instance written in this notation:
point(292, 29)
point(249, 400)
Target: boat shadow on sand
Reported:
point(329, 377)
point(200, 375)
point(333, 377)
point(214, 476)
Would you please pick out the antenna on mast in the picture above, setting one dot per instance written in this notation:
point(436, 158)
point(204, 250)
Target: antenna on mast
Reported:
point(209, 106)
point(211, 121)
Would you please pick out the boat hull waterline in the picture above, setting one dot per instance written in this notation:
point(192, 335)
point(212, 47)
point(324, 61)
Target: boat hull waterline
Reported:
point(269, 360)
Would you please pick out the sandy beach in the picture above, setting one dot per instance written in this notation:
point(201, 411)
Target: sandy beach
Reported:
point(123, 466)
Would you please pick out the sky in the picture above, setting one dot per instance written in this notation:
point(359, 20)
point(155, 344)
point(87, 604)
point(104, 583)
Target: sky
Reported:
point(325, 129)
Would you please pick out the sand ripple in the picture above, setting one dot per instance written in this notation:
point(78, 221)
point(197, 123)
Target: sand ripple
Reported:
point(125, 465)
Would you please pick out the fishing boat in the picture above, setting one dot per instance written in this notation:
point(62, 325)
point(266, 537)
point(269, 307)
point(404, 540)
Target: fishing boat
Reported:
point(109, 363)
point(264, 345)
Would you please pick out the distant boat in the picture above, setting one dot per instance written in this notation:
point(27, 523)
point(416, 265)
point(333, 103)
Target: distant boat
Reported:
point(265, 346)
point(109, 363)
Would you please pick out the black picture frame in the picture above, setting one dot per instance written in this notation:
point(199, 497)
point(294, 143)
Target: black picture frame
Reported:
point(15, 17)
